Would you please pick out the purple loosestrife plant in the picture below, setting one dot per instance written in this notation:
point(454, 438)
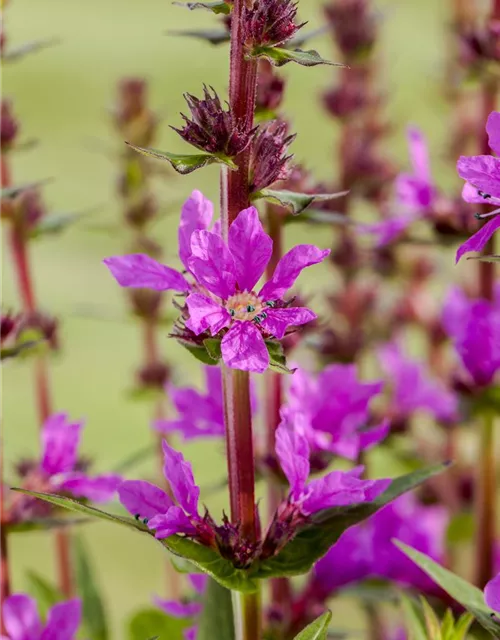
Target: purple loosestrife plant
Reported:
point(22, 622)
point(222, 300)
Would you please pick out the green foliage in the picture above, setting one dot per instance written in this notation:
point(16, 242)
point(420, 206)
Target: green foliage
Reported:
point(199, 352)
point(217, 6)
point(295, 202)
point(152, 624)
point(94, 615)
point(45, 593)
point(185, 164)
point(43, 524)
point(217, 617)
point(459, 589)
point(279, 57)
point(55, 223)
point(277, 358)
point(423, 624)
point(213, 348)
point(21, 348)
point(212, 36)
point(326, 527)
point(13, 54)
point(317, 630)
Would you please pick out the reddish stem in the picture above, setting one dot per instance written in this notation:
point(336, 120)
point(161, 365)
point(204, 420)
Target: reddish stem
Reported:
point(63, 553)
point(5, 575)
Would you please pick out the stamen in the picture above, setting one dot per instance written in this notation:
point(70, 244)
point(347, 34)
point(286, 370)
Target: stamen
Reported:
point(483, 194)
point(482, 216)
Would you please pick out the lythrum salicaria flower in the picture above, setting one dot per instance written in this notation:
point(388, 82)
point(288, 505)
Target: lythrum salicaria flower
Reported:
point(473, 327)
point(221, 298)
point(59, 470)
point(482, 174)
point(186, 608)
point(269, 162)
point(414, 388)
point(22, 621)
point(211, 128)
point(492, 594)
point(334, 406)
point(269, 22)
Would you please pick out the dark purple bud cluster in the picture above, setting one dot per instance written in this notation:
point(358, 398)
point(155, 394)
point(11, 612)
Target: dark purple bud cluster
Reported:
point(479, 45)
point(269, 161)
point(9, 126)
point(270, 88)
point(353, 25)
point(213, 129)
point(24, 210)
point(350, 97)
point(282, 529)
point(8, 325)
point(233, 546)
point(154, 375)
point(269, 22)
point(135, 121)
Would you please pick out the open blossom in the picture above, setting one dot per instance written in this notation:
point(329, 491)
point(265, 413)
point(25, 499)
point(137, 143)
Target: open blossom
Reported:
point(415, 193)
point(222, 299)
point(473, 324)
point(492, 593)
point(22, 622)
point(186, 608)
point(58, 470)
point(334, 406)
point(482, 175)
point(414, 388)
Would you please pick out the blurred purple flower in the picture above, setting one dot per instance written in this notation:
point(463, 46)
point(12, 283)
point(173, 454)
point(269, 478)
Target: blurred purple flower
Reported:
point(225, 275)
point(473, 327)
point(492, 594)
point(415, 193)
point(186, 608)
point(335, 409)
point(482, 174)
point(413, 387)
point(22, 621)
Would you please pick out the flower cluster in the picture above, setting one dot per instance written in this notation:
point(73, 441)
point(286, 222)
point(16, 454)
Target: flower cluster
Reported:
point(269, 162)
point(269, 22)
point(22, 622)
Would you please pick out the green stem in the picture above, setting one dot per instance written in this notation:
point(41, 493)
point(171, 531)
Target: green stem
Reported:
point(246, 611)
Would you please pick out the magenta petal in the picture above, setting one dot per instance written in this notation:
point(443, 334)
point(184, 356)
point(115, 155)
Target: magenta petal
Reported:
point(63, 621)
point(212, 264)
point(470, 194)
point(143, 499)
point(178, 609)
point(292, 450)
point(198, 581)
point(278, 320)
point(250, 247)
point(190, 633)
point(374, 435)
point(138, 270)
point(289, 268)
point(493, 131)
point(386, 231)
point(243, 347)
point(60, 440)
point(492, 594)
point(21, 618)
point(180, 476)
point(101, 488)
point(196, 214)
point(481, 171)
point(171, 523)
point(205, 314)
point(419, 154)
point(478, 241)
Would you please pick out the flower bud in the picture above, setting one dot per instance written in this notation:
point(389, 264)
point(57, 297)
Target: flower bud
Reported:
point(269, 22)
point(141, 211)
point(154, 375)
point(146, 303)
point(269, 162)
point(134, 120)
point(7, 325)
point(347, 99)
point(353, 25)
point(42, 324)
point(8, 125)
point(211, 128)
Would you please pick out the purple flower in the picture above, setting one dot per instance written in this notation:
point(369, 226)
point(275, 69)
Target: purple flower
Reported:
point(482, 174)
point(334, 406)
point(413, 388)
point(492, 594)
point(473, 327)
point(335, 489)
point(186, 608)
point(22, 621)
point(415, 193)
point(225, 276)
point(367, 551)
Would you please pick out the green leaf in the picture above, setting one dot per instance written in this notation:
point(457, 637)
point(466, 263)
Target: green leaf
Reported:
point(204, 558)
point(296, 202)
point(217, 6)
point(462, 626)
point(212, 36)
point(491, 258)
point(55, 223)
point(431, 621)
point(277, 358)
point(149, 624)
point(279, 57)
point(213, 348)
point(21, 348)
point(217, 616)
point(326, 527)
point(45, 593)
point(317, 630)
point(200, 353)
point(185, 164)
point(415, 625)
point(43, 524)
point(13, 192)
point(94, 615)
point(16, 53)
point(459, 589)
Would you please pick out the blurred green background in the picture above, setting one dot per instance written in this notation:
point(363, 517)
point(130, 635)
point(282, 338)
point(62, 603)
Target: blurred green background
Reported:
point(61, 96)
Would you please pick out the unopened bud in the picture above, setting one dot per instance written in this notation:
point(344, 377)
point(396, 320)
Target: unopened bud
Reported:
point(154, 375)
point(135, 121)
point(142, 211)
point(269, 22)
point(42, 325)
point(146, 303)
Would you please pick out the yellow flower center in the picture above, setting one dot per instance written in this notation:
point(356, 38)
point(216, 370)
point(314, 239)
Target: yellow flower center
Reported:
point(244, 306)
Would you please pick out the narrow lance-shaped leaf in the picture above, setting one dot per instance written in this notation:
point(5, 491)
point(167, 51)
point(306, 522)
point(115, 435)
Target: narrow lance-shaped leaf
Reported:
point(279, 57)
point(217, 616)
point(94, 615)
point(217, 6)
point(212, 36)
point(277, 358)
point(43, 524)
point(16, 53)
point(296, 202)
point(317, 630)
point(203, 558)
point(326, 527)
point(414, 622)
point(185, 164)
point(459, 589)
